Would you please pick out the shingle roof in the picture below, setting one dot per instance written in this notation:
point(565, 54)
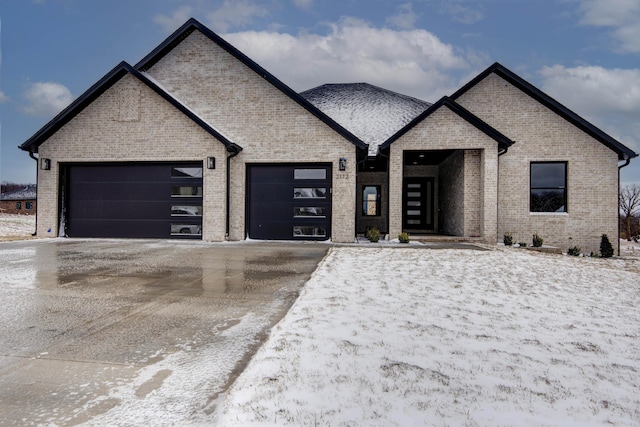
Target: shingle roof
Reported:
point(624, 153)
point(26, 193)
point(371, 113)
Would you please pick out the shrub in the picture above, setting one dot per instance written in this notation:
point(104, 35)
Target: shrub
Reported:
point(574, 251)
point(373, 235)
point(537, 241)
point(522, 244)
point(507, 239)
point(606, 250)
point(403, 237)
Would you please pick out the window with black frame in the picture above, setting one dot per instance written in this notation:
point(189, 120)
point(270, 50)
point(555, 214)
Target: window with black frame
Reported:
point(371, 200)
point(548, 187)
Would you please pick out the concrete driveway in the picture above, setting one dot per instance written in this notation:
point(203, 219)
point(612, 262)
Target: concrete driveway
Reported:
point(141, 332)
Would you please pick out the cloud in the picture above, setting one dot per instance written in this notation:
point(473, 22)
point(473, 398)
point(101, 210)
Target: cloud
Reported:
point(232, 14)
point(463, 14)
point(405, 19)
point(45, 99)
point(303, 4)
point(3, 98)
point(609, 98)
point(414, 62)
point(172, 22)
point(622, 16)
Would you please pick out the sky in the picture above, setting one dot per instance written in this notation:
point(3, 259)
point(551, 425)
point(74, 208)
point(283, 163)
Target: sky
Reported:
point(584, 53)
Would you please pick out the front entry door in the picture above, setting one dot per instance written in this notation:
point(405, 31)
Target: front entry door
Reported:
point(417, 204)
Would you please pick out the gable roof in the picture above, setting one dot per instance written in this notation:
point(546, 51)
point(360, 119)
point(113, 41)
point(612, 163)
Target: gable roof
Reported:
point(372, 113)
point(503, 141)
point(192, 24)
point(624, 153)
point(106, 82)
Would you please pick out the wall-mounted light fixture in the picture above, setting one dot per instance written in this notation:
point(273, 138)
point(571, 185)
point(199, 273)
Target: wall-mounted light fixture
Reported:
point(211, 162)
point(45, 164)
point(342, 165)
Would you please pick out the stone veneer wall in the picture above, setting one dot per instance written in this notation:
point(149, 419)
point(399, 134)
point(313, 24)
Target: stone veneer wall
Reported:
point(542, 135)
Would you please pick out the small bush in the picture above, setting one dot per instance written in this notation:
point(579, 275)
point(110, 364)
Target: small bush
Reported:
point(507, 239)
point(522, 244)
point(606, 250)
point(403, 237)
point(574, 251)
point(537, 241)
point(373, 235)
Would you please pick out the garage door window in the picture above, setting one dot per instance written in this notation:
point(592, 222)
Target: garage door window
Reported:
point(307, 211)
point(186, 191)
point(306, 231)
point(310, 173)
point(180, 210)
point(182, 229)
point(310, 193)
point(186, 172)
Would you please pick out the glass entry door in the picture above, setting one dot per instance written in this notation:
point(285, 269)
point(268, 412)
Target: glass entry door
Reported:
point(417, 204)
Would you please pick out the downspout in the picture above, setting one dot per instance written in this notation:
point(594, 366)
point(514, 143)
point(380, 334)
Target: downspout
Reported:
point(618, 208)
point(500, 153)
point(234, 150)
point(31, 154)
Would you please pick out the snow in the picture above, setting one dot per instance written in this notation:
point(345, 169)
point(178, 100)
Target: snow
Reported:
point(450, 337)
point(371, 113)
point(13, 225)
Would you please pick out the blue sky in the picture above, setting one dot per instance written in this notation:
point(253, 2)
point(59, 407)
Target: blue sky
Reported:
point(584, 53)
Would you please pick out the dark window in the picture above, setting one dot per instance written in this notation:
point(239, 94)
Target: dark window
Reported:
point(186, 172)
point(18, 205)
point(28, 205)
point(310, 193)
point(548, 187)
point(371, 200)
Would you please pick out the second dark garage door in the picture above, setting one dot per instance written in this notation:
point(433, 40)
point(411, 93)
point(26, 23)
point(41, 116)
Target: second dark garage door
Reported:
point(135, 200)
point(289, 202)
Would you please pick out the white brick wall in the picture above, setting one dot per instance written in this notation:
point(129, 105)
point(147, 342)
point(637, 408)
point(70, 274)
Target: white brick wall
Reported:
point(542, 135)
point(270, 126)
point(150, 129)
point(445, 130)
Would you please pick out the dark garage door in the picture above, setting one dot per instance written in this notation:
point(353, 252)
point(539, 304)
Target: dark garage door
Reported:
point(289, 202)
point(140, 200)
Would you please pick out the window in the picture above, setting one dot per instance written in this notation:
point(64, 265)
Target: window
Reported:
point(28, 205)
point(548, 187)
point(180, 210)
point(371, 200)
point(186, 172)
point(186, 191)
point(308, 211)
point(309, 174)
point(309, 193)
point(18, 205)
point(309, 231)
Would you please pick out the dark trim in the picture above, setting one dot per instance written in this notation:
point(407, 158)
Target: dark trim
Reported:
point(565, 188)
point(502, 140)
point(234, 149)
point(106, 82)
point(192, 24)
point(573, 118)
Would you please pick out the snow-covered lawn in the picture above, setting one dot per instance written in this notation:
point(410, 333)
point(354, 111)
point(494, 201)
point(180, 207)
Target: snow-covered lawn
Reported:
point(12, 225)
point(407, 337)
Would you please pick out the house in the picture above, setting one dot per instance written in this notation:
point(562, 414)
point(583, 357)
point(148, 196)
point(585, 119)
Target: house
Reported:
point(22, 201)
point(198, 141)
